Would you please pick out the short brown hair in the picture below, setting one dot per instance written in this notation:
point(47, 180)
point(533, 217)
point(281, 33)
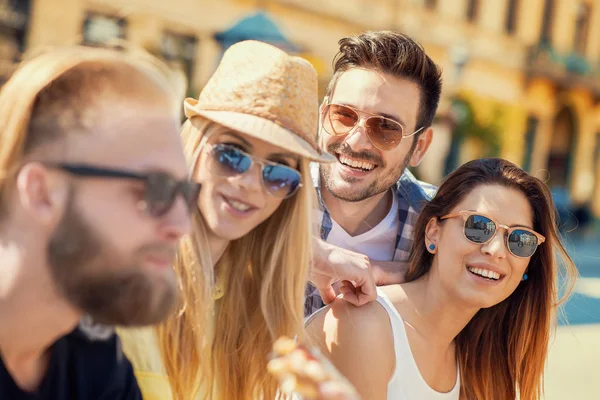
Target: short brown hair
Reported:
point(398, 55)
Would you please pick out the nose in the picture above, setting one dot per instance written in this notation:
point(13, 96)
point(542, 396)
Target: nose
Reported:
point(496, 248)
point(177, 222)
point(357, 138)
point(250, 180)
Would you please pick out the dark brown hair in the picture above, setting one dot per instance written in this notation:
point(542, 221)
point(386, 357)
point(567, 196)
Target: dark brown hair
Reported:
point(395, 54)
point(503, 349)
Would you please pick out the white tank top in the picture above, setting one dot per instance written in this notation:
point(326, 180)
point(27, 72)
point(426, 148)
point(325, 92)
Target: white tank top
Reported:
point(406, 382)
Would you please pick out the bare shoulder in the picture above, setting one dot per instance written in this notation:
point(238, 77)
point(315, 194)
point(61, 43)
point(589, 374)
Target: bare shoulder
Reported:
point(341, 317)
point(359, 342)
point(396, 293)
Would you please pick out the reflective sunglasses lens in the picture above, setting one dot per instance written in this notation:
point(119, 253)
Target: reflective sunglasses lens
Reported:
point(384, 133)
point(479, 229)
point(281, 181)
point(339, 120)
point(522, 243)
point(230, 161)
point(161, 190)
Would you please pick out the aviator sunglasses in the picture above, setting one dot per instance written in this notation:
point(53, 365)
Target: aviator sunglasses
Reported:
point(279, 180)
point(480, 229)
point(160, 188)
point(384, 133)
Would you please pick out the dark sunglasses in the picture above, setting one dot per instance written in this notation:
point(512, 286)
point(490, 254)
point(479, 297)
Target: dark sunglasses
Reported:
point(480, 229)
point(384, 133)
point(279, 180)
point(160, 192)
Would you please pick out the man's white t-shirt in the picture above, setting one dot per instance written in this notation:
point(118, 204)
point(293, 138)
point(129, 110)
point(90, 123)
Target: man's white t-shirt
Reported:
point(379, 243)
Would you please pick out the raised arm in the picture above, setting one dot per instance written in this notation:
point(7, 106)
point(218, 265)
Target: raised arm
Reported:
point(359, 275)
point(333, 264)
point(359, 342)
point(389, 272)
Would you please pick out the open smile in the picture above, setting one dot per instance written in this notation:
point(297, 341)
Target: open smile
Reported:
point(238, 207)
point(485, 274)
point(355, 167)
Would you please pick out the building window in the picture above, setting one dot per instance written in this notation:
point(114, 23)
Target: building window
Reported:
point(180, 52)
point(597, 150)
point(472, 10)
point(99, 29)
point(14, 22)
point(532, 124)
point(431, 4)
point(511, 16)
point(582, 27)
point(547, 22)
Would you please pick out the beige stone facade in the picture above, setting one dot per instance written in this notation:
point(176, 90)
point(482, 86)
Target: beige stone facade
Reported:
point(527, 70)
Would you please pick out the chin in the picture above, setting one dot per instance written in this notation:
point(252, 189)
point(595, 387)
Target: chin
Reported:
point(484, 302)
point(230, 232)
point(478, 300)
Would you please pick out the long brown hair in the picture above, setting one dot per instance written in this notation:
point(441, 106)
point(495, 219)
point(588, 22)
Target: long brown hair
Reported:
point(502, 350)
point(219, 349)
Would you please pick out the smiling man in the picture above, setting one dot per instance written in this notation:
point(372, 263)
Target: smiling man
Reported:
point(94, 196)
point(376, 119)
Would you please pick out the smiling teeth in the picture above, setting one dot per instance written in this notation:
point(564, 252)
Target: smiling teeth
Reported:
point(238, 205)
point(356, 164)
point(486, 273)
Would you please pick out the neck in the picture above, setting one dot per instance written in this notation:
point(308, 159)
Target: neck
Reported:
point(439, 315)
point(33, 315)
point(358, 217)
point(217, 247)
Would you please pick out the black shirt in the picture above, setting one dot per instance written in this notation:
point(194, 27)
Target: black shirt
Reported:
point(80, 368)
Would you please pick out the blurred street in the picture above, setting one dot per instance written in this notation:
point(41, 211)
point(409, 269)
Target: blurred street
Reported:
point(574, 362)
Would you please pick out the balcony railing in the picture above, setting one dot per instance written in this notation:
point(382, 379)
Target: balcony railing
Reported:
point(567, 70)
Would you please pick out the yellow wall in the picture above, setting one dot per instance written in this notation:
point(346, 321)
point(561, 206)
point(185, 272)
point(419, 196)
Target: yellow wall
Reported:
point(495, 75)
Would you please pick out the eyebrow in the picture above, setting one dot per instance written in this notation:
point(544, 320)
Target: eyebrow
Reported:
point(240, 138)
point(381, 114)
point(249, 145)
point(285, 155)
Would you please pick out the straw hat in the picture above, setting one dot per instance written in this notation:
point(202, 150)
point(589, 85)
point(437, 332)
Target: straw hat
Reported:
point(265, 93)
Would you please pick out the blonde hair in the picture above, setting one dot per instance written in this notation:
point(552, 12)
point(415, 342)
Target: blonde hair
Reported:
point(46, 97)
point(220, 348)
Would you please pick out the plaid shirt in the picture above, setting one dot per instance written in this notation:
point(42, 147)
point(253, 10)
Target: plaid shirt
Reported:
point(411, 195)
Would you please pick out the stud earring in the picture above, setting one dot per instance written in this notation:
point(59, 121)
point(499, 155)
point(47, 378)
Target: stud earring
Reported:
point(432, 247)
point(525, 277)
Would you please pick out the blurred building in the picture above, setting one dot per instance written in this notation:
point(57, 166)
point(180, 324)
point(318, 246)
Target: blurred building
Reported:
point(521, 77)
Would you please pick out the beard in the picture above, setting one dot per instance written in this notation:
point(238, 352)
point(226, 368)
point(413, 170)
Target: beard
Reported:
point(388, 176)
point(94, 279)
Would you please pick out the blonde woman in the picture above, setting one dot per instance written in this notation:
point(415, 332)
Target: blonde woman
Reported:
point(249, 139)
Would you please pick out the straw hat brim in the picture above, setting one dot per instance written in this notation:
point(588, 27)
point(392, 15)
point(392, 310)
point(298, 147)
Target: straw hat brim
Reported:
point(262, 129)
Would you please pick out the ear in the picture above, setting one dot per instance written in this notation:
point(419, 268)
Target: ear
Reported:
point(41, 194)
point(423, 143)
point(432, 234)
point(324, 104)
point(321, 116)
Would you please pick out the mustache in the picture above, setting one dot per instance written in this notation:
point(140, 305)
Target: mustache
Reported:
point(344, 149)
point(161, 250)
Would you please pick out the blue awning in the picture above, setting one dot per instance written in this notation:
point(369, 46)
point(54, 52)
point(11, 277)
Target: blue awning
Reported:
point(258, 26)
